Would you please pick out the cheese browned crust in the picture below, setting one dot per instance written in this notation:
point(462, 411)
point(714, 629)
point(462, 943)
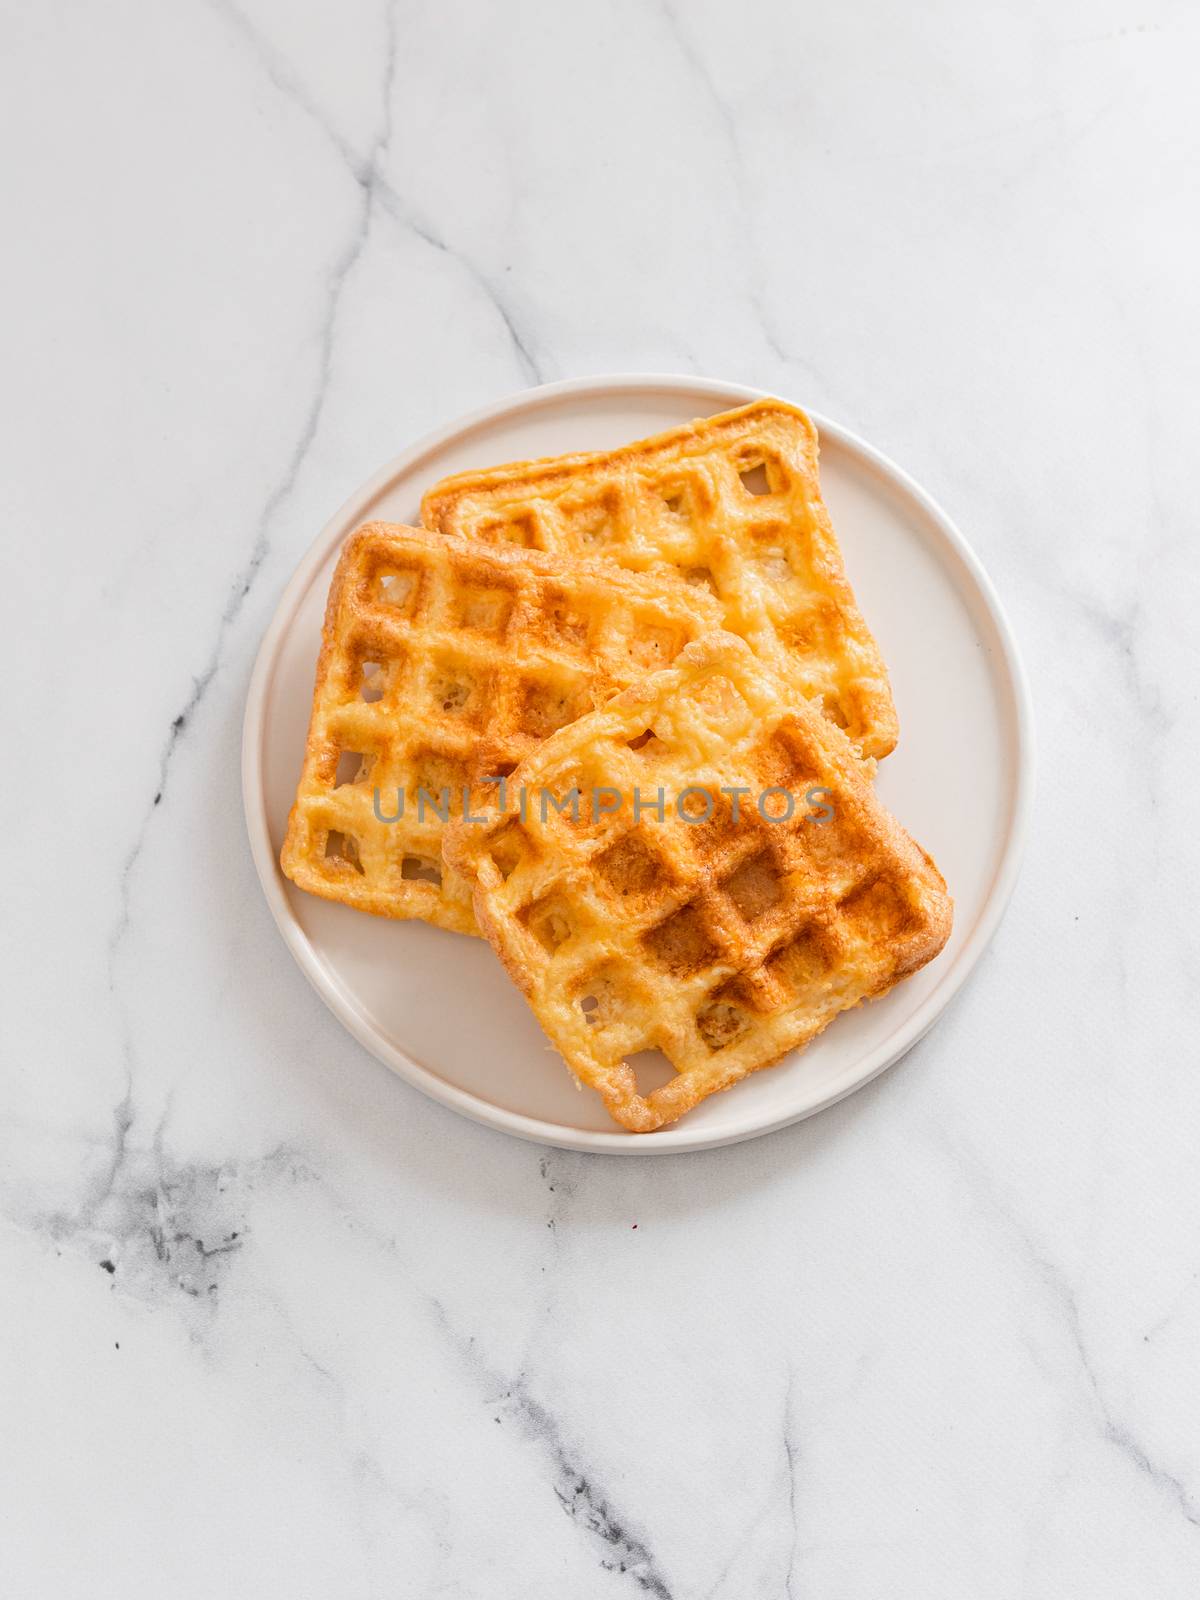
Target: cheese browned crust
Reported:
point(444, 662)
point(733, 504)
point(724, 943)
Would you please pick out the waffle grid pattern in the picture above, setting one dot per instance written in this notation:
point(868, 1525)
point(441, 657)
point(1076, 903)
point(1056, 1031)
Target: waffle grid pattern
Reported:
point(445, 663)
point(732, 504)
point(722, 943)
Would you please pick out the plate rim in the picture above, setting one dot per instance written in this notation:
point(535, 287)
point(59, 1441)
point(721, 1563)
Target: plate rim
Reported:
point(679, 1138)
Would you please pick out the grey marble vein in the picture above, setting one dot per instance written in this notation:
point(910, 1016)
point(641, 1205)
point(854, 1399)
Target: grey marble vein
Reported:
point(161, 1228)
point(791, 1456)
point(123, 1111)
point(368, 172)
point(1113, 1428)
point(741, 184)
point(275, 1324)
point(625, 1549)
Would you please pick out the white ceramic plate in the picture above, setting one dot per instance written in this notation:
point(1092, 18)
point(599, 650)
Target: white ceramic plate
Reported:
point(438, 1008)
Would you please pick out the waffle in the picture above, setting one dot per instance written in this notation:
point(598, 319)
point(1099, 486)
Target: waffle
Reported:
point(734, 504)
point(722, 941)
point(443, 663)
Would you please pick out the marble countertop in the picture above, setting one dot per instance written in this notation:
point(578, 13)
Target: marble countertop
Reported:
point(277, 1326)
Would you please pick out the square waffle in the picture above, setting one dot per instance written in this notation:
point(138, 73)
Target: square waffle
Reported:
point(444, 663)
point(722, 933)
point(733, 504)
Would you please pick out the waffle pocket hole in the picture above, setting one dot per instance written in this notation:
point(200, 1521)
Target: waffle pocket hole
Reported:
point(803, 964)
point(676, 500)
point(773, 565)
point(755, 888)
point(720, 1024)
point(682, 944)
point(399, 589)
point(654, 647)
point(548, 708)
point(550, 925)
point(342, 850)
point(520, 530)
point(880, 908)
point(754, 479)
point(565, 624)
point(373, 682)
point(352, 767)
point(642, 740)
point(508, 851)
point(651, 1070)
point(453, 693)
point(629, 866)
point(420, 869)
point(486, 610)
point(594, 525)
point(600, 999)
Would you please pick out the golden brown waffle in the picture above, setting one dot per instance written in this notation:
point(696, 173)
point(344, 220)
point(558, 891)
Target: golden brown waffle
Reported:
point(444, 662)
point(722, 942)
point(734, 504)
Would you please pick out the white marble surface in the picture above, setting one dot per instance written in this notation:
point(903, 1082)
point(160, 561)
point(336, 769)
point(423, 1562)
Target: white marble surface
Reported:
point(275, 1325)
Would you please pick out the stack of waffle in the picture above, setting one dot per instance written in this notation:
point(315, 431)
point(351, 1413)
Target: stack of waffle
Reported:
point(620, 714)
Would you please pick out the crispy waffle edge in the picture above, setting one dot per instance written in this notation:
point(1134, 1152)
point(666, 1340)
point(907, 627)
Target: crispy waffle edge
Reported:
point(416, 903)
point(466, 848)
point(444, 507)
